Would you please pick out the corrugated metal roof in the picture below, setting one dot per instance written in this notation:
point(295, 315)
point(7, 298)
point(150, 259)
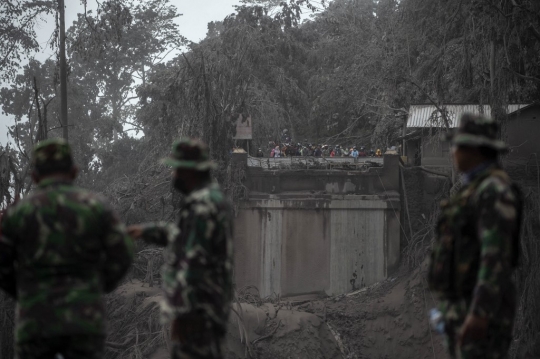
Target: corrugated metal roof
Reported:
point(428, 115)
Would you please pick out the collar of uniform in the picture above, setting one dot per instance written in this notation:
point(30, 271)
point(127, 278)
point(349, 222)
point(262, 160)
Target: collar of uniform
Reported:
point(469, 176)
point(47, 182)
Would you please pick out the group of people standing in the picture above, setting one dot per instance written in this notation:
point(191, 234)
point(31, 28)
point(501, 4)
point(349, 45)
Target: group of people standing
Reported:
point(310, 150)
point(62, 248)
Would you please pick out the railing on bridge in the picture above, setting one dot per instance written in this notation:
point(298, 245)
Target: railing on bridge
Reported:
point(299, 162)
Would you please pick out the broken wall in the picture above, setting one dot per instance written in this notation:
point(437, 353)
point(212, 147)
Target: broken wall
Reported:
point(318, 231)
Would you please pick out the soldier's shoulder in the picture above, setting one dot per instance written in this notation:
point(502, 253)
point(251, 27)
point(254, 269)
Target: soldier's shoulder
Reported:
point(209, 199)
point(32, 200)
point(84, 196)
point(22, 206)
point(216, 194)
point(77, 199)
point(81, 198)
point(498, 184)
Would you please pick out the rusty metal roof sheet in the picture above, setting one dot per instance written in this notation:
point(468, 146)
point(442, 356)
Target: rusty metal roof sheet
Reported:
point(428, 116)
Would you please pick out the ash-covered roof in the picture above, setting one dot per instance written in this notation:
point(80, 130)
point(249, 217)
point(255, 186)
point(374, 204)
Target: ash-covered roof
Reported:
point(421, 116)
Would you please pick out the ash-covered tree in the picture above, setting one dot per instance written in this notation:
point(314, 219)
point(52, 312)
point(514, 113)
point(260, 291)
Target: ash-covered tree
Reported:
point(18, 40)
point(30, 99)
point(118, 45)
point(249, 64)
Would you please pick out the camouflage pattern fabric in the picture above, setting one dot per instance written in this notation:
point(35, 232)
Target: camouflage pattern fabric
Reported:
point(494, 346)
point(474, 254)
point(61, 249)
point(197, 274)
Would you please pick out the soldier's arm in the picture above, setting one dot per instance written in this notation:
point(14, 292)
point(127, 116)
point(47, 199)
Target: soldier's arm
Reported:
point(497, 225)
point(158, 233)
point(118, 250)
point(7, 258)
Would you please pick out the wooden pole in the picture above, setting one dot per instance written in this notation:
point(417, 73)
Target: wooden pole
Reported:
point(63, 72)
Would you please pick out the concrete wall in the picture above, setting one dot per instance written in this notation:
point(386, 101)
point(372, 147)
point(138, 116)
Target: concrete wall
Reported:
point(299, 245)
point(294, 246)
point(318, 231)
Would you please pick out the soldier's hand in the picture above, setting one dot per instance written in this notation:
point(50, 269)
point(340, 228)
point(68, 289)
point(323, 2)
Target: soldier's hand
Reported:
point(135, 231)
point(474, 328)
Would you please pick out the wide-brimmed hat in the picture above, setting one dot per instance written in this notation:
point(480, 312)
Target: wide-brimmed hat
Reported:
point(191, 154)
point(477, 131)
point(52, 155)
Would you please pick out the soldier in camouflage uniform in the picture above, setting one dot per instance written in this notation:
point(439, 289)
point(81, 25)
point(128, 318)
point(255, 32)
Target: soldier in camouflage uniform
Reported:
point(61, 249)
point(477, 246)
point(197, 274)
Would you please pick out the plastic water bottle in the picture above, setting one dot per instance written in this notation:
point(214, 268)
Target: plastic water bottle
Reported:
point(436, 320)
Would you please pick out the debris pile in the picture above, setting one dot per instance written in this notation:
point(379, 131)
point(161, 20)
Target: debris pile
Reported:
point(386, 320)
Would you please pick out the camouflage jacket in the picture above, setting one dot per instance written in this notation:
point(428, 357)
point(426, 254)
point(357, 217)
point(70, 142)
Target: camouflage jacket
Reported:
point(197, 274)
point(61, 248)
point(476, 248)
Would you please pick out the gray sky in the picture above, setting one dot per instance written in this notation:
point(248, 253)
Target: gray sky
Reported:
point(196, 15)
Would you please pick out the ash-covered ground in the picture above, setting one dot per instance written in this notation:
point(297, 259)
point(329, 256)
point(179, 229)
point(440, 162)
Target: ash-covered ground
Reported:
point(386, 320)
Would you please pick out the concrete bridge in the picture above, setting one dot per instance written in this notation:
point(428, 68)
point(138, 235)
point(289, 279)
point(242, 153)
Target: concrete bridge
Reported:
point(324, 229)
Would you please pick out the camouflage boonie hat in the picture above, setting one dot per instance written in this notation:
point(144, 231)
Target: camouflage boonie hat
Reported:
point(52, 155)
point(478, 131)
point(190, 154)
